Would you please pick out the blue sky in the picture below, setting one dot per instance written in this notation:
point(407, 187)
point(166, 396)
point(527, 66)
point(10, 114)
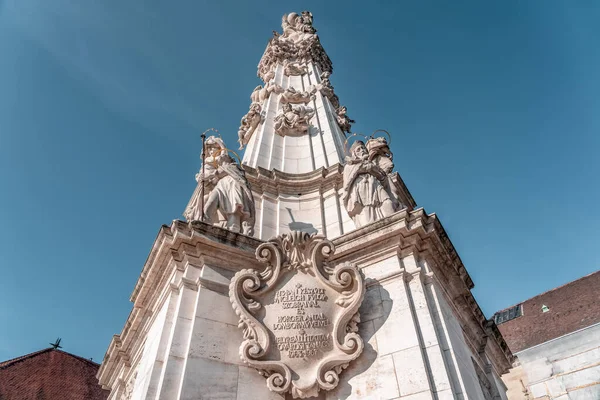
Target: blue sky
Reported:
point(493, 109)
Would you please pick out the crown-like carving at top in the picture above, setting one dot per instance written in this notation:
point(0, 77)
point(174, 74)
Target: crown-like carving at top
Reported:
point(299, 42)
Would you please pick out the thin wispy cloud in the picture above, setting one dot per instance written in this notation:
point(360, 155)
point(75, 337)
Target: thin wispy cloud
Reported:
point(123, 66)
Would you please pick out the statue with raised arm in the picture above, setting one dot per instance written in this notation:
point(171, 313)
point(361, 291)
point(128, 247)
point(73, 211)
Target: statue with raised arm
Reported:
point(367, 193)
point(343, 120)
point(228, 200)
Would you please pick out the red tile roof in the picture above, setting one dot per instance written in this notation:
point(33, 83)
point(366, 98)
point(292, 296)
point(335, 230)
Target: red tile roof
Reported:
point(571, 307)
point(50, 374)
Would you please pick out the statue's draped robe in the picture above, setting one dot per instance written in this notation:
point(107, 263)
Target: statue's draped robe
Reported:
point(230, 195)
point(365, 194)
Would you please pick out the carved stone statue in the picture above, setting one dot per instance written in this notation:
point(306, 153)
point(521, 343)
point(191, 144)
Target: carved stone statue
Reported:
point(297, 27)
point(299, 43)
point(293, 121)
point(228, 200)
point(255, 96)
point(293, 68)
point(343, 120)
point(290, 95)
point(326, 90)
point(380, 154)
point(367, 193)
point(249, 123)
point(260, 94)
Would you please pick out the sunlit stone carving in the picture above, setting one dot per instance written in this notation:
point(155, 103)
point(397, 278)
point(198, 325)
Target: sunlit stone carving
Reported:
point(260, 93)
point(297, 45)
point(344, 122)
point(292, 68)
point(326, 89)
point(369, 193)
point(249, 123)
point(291, 95)
point(228, 200)
point(299, 315)
point(293, 121)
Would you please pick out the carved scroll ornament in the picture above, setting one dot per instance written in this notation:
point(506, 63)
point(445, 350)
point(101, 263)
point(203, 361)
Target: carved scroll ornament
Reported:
point(299, 315)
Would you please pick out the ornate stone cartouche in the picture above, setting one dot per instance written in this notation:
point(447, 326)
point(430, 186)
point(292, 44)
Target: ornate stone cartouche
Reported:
point(299, 315)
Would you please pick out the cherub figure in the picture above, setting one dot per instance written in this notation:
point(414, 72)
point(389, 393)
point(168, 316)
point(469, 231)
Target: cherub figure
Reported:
point(249, 123)
point(343, 120)
point(293, 121)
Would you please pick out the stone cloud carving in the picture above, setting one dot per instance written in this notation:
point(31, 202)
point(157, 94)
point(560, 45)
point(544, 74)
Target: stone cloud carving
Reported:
point(260, 94)
point(298, 44)
point(290, 95)
point(292, 68)
point(293, 121)
point(228, 200)
point(299, 315)
point(369, 193)
point(249, 123)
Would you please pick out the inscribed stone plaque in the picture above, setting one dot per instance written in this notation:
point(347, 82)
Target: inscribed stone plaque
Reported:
point(299, 315)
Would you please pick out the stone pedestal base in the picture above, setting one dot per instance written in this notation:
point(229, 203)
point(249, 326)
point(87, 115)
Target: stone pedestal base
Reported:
point(424, 335)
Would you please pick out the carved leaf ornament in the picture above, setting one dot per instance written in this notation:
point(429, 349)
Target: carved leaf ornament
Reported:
point(299, 315)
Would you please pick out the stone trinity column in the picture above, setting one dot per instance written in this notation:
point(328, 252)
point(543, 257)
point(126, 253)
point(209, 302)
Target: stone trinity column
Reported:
point(305, 269)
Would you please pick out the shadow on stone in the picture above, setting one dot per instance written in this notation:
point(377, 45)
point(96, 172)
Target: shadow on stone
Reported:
point(365, 387)
point(300, 226)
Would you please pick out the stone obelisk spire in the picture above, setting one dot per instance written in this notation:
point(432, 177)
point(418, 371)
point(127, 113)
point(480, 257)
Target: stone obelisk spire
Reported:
point(295, 123)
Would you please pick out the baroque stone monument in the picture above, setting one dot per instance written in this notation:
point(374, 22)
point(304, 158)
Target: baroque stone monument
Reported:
point(304, 269)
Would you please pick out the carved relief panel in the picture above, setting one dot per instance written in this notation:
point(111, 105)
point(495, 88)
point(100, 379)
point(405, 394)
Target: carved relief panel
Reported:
point(299, 315)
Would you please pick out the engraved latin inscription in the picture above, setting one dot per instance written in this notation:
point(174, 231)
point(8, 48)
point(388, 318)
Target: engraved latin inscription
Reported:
point(303, 345)
point(304, 301)
point(300, 298)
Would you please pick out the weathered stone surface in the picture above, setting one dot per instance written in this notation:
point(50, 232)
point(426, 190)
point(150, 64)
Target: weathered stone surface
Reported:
point(299, 315)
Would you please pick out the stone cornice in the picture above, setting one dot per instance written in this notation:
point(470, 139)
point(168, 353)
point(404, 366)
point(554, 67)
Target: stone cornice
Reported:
point(415, 232)
point(176, 247)
point(196, 244)
point(277, 182)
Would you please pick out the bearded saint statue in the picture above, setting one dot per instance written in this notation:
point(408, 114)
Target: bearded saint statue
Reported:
point(367, 196)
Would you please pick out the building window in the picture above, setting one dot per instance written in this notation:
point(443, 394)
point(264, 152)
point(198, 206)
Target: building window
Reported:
point(508, 314)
